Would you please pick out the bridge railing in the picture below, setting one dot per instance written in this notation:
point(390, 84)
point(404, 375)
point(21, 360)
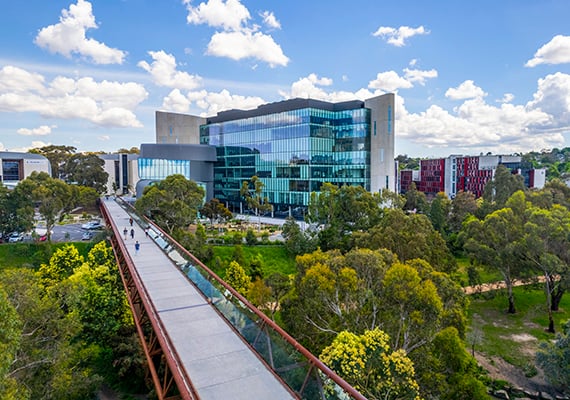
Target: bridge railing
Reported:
point(298, 368)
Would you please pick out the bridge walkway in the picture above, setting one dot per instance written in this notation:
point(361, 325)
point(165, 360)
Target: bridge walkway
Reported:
point(217, 362)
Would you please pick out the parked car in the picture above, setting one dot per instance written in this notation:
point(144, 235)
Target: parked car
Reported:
point(92, 225)
point(15, 237)
point(87, 236)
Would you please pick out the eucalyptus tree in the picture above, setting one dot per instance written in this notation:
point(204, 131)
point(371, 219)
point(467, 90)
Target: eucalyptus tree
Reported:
point(172, 203)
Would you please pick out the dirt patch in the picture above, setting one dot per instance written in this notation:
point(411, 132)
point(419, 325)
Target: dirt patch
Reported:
point(501, 370)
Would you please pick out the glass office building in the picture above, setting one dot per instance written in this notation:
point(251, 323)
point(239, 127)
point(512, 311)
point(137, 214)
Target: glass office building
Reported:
point(292, 146)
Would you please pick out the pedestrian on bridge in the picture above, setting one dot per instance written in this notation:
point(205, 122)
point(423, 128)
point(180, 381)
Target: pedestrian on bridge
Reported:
point(125, 232)
point(137, 247)
point(132, 233)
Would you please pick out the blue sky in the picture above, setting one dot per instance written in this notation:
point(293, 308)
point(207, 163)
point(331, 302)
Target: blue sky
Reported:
point(470, 77)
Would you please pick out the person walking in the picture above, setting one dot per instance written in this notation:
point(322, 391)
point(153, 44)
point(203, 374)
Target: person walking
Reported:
point(125, 232)
point(132, 233)
point(131, 221)
point(137, 247)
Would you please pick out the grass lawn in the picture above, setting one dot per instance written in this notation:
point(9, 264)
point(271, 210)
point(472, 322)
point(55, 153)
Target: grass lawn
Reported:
point(514, 337)
point(274, 258)
point(17, 255)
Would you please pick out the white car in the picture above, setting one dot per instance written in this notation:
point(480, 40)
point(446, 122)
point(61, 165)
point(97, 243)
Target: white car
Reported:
point(15, 237)
point(92, 225)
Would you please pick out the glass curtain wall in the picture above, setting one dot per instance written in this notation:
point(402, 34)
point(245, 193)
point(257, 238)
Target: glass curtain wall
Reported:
point(292, 152)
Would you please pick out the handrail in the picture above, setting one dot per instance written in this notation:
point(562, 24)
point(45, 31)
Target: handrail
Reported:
point(266, 321)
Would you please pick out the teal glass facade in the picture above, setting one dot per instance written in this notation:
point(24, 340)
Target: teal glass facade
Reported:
point(158, 169)
point(293, 152)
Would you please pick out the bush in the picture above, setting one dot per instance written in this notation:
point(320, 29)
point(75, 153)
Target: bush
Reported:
point(250, 237)
point(237, 238)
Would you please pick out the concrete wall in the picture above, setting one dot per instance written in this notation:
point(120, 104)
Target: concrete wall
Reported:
point(175, 128)
point(382, 127)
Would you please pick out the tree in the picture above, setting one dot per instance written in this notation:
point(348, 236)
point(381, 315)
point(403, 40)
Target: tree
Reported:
point(16, 211)
point(252, 192)
point(496, 241)
point(503, 185)
point(412, 307)
point(215, 211)
point(237, 278)
point(61, 265)
point(439, 210)
point(171, 203)
point(409, 236)
point(554, 359)
point(297, 242)
point(10, 336)
point(545, 247)
point(279, 285)
point(416, 201)
point(462, 205)
point(370, 366)
point(86, 170)
point(52, 196)
point(57, 156)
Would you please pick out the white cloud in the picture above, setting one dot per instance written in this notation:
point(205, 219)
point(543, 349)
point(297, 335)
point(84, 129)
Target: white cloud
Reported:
point(309, 87)
point(398, 36)
point(553, 97)
point(467, 90)
point(507, 98)
point(104, 138)
point(240, 45)
point(103, 103)
point(36, 144)
point(557, 51)
point(68, 36)
point(14, 79)
point(237, 40)
point(389, 81)
point(210, 102)
point(416, 75)
point(164, 73)
point(39, 131)
point(228, 15)
point(270, 20)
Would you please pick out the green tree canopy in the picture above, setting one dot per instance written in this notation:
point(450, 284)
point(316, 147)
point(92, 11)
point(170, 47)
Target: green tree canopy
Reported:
point(86, 170)
point(237, 278)
point(172, 203)
point(57, 156)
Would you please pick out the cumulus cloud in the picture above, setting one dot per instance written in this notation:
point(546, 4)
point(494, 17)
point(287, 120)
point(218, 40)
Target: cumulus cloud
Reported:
point(466, 90)
point(507, 98)
point(389, 81)
point(69, 36)
point(210, 102)
point(398, 36)
point(553, 97)
point(14, 79)
point(104, 138)
point(419, 76)
point(270, 20)
point(557, 51)
point(164, 73)
point(238, 39)
point(39, 131)
point(311, 87)
point(241, 45)
point(104, 103)
point(228, 15)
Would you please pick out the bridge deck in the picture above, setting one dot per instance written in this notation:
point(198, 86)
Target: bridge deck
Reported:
point(218, 362)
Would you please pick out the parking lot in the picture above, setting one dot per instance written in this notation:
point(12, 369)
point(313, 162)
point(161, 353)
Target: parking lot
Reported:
point(64, 233)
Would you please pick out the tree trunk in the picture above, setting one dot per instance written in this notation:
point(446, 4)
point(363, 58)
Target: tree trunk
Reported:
point(512, 309)
point(557, 298)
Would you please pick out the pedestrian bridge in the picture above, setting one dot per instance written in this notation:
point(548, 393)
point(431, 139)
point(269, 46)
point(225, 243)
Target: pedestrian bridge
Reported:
point(201, 338)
